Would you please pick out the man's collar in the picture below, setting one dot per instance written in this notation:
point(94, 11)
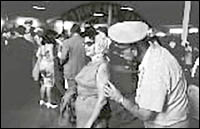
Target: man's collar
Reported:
point(146, 57)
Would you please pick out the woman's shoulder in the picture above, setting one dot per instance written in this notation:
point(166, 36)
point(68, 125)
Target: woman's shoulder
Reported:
point(104, 66)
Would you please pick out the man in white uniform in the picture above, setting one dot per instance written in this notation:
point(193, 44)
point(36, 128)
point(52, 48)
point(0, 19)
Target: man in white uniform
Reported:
point(161, 100)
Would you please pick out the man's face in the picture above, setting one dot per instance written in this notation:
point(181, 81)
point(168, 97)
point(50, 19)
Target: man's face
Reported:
point(129, 52)
point(28, 27)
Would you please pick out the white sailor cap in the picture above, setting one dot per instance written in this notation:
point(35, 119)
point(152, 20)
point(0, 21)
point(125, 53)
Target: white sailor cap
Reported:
point(128, 31)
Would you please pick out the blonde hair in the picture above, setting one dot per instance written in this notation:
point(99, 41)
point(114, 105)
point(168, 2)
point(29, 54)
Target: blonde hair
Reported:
point(102, 43)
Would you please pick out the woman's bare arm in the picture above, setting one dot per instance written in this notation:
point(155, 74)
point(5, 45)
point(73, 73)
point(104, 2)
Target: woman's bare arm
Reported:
point(102, 78)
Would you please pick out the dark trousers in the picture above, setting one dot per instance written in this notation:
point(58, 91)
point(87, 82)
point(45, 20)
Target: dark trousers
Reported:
point(59, 80)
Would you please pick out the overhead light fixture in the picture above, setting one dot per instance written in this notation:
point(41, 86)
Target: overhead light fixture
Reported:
point(160, 34)
point(39, 7)
point(193, 30)
point(126, 8)
point(175, 26)
point(176, 31)
point(98, 14)
point(180, 30)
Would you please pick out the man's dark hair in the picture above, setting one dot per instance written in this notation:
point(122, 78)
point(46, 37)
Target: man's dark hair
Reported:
point(104, 30)
point(49, 37)
point(30, 22)
point(152, 39)
point(90, 32)
point(75, 29)
point(21, 30)
point(64, 34)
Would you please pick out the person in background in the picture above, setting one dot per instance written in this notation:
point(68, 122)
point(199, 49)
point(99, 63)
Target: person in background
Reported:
point(60, 39)
point(5, 37)
point(72, 59)
point(161, 99)
point(9, 35)
point(29, 32)
point(58, 69)
point(177, 50)
point(37, 37)
point(73, 56)
point(18, 61)
point(46, 67)
point(193, 91)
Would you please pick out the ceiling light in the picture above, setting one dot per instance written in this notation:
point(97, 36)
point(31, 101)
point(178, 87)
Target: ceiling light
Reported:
point(160, 34)
point(175, 26)
point(180, 30)
point(98, 14)
point(193, 30)
point(176, 31)
point(127, 8)
point(38, 7)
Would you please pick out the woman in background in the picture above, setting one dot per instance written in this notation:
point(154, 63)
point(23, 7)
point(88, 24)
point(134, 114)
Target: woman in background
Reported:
point(46, 67)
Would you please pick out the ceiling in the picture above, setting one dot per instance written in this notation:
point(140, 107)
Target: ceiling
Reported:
point(157, 13)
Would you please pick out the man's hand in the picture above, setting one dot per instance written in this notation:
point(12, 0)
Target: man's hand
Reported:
point(112, 92)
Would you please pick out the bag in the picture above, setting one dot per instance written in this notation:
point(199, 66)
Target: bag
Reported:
point(67, 115)
point(36, 71)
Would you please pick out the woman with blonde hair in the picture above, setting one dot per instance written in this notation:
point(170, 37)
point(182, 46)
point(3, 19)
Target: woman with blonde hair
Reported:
point(92, 108)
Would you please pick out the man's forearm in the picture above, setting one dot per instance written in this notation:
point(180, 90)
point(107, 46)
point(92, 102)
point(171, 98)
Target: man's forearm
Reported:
point(130, 106)
point(142, 114)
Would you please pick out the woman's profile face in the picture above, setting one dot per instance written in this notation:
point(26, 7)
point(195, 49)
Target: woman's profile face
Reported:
point(89, 47)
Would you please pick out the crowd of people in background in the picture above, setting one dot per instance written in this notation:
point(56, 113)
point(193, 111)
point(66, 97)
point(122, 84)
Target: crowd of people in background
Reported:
point(77, 65)
point(56, 61)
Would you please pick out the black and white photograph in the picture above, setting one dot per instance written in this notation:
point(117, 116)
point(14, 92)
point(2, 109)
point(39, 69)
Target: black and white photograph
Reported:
point(99, 64)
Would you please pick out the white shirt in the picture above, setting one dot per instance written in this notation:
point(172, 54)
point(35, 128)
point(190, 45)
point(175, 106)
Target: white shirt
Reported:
point(162, 87)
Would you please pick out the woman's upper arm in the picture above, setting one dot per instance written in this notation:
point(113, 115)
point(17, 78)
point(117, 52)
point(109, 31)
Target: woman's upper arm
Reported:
point(103, 75)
